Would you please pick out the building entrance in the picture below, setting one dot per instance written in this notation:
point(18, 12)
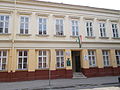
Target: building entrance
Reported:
point(76, 64)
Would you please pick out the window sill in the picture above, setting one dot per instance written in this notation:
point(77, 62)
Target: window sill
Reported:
point(60, 68)
point(24, 34)
point(105, 67)
point(39, 35)
point(22, 70)
point(5, 33)
point(115, 37)
point(90, 37)
point(42, 69)
point(104, 37)
point(92, 67)
point(3, 71)
point(59, 35)
point(74, 36)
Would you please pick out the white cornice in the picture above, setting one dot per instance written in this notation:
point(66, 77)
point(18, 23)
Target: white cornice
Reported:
point(64, 6)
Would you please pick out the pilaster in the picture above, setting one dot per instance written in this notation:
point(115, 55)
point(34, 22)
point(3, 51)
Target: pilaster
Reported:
point(52, 59)
point(113, 58)
point(68, 56)
point(85, 61)
point(31, 60)
point(99, 58)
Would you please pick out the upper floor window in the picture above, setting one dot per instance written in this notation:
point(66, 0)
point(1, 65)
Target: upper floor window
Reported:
point(75, 29)
point(92, 58)
point(117, 52)
point(115, 30)
point(102, 30)
point(22, 59)
point(42, 26)
point(4, 23)
point(24, 24)
point(60, 58)
point(105, 54)
point(3, 60)
point(89, 28)
point(42, 59)
point(59, 27)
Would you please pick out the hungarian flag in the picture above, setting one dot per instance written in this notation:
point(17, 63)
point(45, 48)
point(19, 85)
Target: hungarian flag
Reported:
point(80, 41)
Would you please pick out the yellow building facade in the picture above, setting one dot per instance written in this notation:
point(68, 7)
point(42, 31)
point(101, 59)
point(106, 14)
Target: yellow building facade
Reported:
point(42, 40)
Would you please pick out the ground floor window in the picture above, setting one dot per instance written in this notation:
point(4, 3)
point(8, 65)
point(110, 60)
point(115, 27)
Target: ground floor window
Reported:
point(3, 59)
point(22, 59)
point(105, 54)
point(60, 58)
point(43, 59)
point(117, 52)
point(92, 58)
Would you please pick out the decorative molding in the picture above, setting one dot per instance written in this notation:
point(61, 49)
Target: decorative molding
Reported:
point(59, 35)
point(90, 37)
point(104, 37)
point(6, 11)
point(42, 14)
point(42, 35)
point(5, 34)
point(74, 17)
point(59, 16)
point(115, 37)
point(24, 13)
point(24, 34)
point(74, 36)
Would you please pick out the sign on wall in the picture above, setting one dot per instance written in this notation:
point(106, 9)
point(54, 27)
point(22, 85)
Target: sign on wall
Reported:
point(85, 57)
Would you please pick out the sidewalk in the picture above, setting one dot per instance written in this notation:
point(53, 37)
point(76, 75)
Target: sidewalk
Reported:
point(39, 84)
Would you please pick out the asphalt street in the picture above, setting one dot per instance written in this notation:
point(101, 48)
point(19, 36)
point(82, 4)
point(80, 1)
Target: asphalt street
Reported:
point(96, 83)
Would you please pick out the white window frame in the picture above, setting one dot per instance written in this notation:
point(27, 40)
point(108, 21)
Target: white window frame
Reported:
point(106, 58)
point(42, 25)
point(60, 30)
point(60, 60)
point(4, 24)
point(117, 52)
point(22, 60)
point(1, 60)
point(75, 25)
point(102, 27)
point(89, 28)
point(91, 55)
point(42, 57)
point(24, 31)
point(115, 30)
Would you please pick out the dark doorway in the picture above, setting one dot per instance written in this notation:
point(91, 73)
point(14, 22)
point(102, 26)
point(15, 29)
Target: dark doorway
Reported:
point(76, 64)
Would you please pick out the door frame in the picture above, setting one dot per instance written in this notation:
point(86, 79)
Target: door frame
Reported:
point(73, 54)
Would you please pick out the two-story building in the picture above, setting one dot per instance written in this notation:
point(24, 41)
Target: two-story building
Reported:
point(41, 40)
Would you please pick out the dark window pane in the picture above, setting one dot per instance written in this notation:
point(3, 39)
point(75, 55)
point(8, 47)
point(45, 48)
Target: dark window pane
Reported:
point(21, 31)
point(19, 66)
point(4, 53)
point(40, 65)
point(44, 52)
point(1, 30)
point(24, 66)
point(3, 66)
point(25, 53)
point(20, 60)
point(2, 18)
point(25, 60)
point(6, 30)
point(4, 60)
point(40, 53)
point(20, 53)
point(26, 31)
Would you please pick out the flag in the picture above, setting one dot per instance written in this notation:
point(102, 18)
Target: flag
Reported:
point(80, 41)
